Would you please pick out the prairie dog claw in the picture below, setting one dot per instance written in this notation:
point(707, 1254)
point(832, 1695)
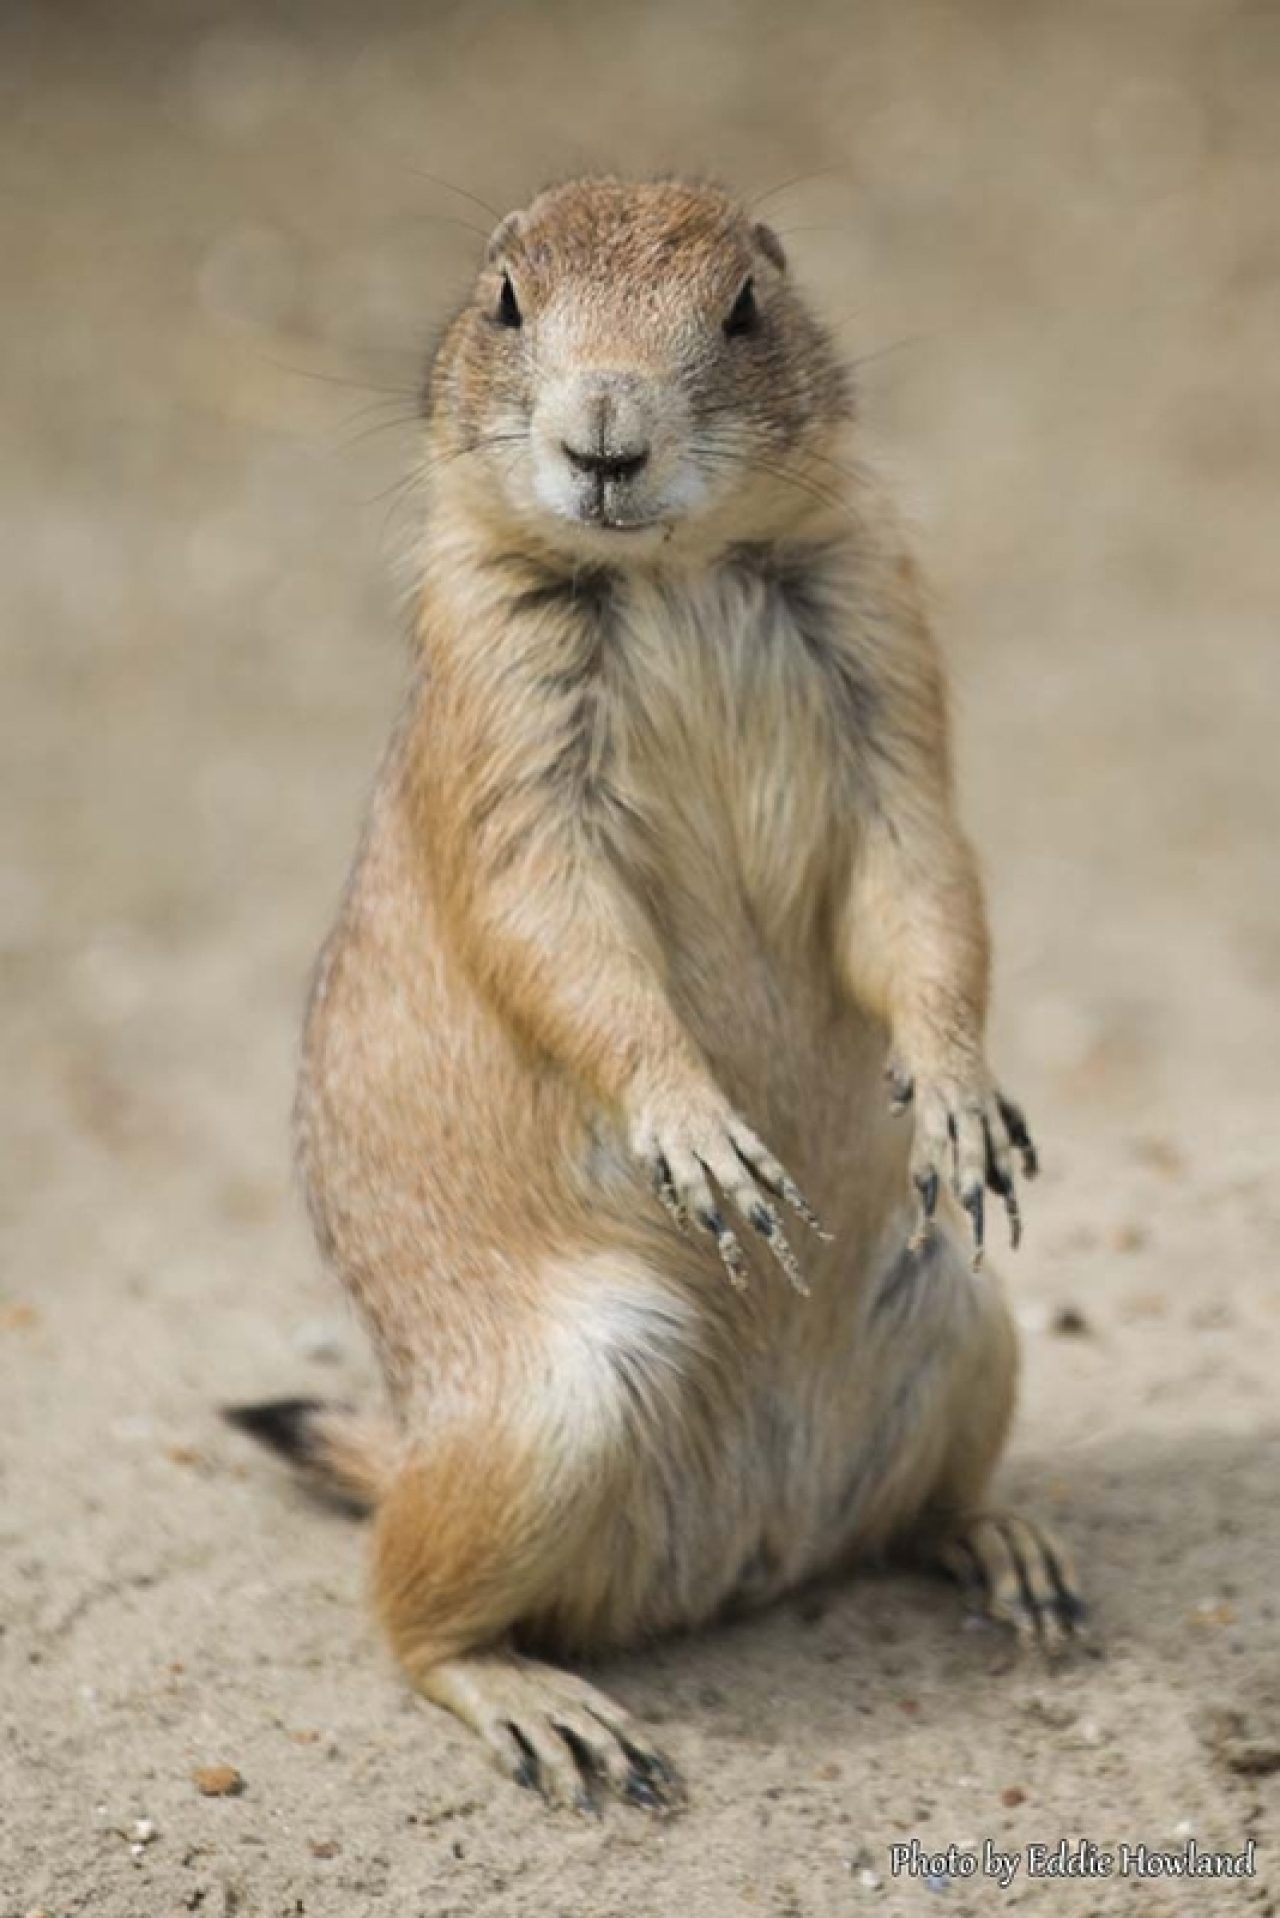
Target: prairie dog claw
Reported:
point(1020, 1575)
point(1016, 1126)
point(926, 1185)
point(553, 1733)
point(690, 1157)
point(967, 1133)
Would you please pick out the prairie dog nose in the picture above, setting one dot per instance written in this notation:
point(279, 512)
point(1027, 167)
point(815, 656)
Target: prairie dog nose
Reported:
point(602, 422)
point(619, 463)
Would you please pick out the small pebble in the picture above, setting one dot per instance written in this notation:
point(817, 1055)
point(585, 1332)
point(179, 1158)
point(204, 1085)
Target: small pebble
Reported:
point(1069, 1322)
point(1051, 1711)
point(1213, 1611)
point(1013, 1795)
point(1146, 1305)
point(325, 1848)
point(869, 1880)
point(937, 1881)
point(142, 1831)
point(1253, 1757)
point(1161, 1155)
point(218, 1781)
point(1250, 1751)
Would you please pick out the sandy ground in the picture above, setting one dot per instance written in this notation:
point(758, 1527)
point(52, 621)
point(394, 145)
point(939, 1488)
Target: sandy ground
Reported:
point(1065, 220)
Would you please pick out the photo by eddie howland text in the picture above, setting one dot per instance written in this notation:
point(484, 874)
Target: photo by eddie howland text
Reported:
point(1069, 1858)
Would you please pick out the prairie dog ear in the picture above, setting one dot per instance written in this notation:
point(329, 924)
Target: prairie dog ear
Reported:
point(770, 245)
point(501, 237)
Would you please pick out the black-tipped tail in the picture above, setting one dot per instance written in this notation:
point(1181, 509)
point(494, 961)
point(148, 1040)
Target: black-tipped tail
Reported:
point(286, 1426)
point(339, 1451)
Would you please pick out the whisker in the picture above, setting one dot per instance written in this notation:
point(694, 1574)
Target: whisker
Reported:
point(795, 472)
point(747, 452)
point(444, 219)
point(820, 226)
point(836, 466)
point(799, 179)
point(400, 420)
point(462, 193)
point(400, 486)
point(846, 319)
point(334, 379)
point(433, 465)
point(883, 352)
point(374, 406)
point(753, 463)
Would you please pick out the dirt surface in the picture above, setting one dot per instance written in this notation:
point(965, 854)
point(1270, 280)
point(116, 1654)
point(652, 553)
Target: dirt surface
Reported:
point(1065, 221)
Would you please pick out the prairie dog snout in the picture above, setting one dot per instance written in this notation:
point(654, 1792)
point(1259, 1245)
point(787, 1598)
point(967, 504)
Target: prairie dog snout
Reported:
point(612, 446)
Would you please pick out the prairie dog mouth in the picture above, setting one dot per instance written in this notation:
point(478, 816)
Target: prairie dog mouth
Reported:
point(607, 523)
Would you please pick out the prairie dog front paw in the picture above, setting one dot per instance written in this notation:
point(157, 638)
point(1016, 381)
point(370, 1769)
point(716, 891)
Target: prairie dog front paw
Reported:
point(688, 1140)
point(966, 1136)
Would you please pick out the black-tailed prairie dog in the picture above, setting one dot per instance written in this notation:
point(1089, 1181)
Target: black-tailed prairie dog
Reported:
point(661, 909)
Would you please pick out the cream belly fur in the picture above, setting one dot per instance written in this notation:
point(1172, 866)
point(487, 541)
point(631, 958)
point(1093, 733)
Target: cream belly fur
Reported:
point(836, 1451)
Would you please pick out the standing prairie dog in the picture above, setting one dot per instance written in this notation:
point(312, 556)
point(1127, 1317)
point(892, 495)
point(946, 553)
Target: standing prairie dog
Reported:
point(662, 877)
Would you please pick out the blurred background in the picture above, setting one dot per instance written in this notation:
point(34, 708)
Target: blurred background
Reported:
point(1051, 235)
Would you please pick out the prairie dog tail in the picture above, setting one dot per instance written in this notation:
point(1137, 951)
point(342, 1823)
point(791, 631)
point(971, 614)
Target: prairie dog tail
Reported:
point(349, 1455)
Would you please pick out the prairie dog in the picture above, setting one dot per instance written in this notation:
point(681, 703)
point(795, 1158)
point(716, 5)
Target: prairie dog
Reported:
point(661, 879)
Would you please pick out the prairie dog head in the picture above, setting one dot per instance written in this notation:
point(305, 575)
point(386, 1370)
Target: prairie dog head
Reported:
point(635, 369)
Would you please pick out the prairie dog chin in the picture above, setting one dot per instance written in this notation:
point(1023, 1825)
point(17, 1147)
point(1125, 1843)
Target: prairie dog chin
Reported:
point(661, 879)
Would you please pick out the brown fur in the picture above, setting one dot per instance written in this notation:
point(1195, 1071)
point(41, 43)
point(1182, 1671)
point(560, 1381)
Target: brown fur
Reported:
point(666, 836)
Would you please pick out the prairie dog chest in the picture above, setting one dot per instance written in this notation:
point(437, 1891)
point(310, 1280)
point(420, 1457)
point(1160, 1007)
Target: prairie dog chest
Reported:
point(725, 730)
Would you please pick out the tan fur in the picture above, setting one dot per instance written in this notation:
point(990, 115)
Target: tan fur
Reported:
point(354, 1455)
point(665, 842)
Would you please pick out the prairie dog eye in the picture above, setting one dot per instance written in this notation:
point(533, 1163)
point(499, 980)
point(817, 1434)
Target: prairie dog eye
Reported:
point(509, 313)
point(744, 314)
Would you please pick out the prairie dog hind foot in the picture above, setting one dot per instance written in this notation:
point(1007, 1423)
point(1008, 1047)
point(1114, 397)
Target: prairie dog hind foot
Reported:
point(1018, 1573)
point(552, 1732)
